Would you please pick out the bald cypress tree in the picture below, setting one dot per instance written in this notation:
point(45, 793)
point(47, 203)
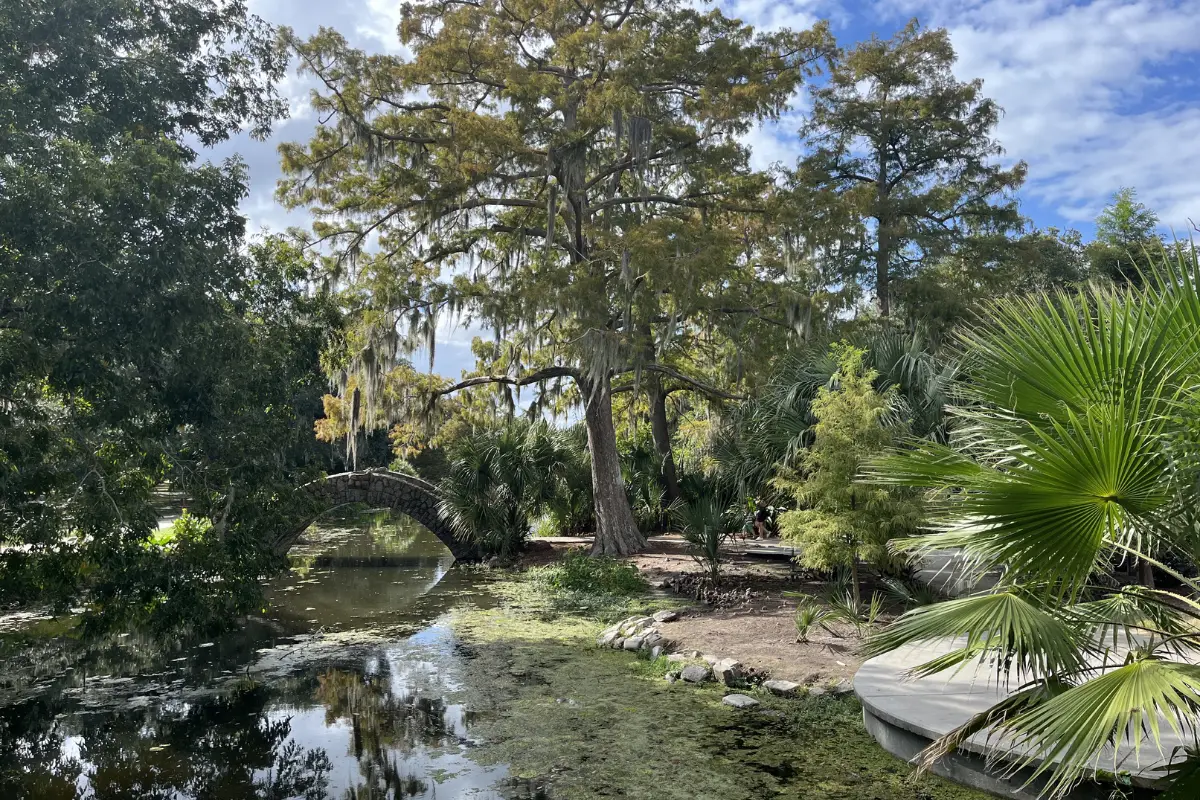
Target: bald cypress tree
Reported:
point(566, 172)
point(897, 140)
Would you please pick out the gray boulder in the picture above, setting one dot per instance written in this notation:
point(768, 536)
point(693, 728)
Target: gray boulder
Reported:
point(781, 688)
point(666, 616)
point(634, 643)
point(636, 626)
point(728, 671)
point(608, 637)
point(694, 673)
point(739, 701)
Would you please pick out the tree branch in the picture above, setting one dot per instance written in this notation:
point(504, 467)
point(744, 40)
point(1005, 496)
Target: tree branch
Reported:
point(698, 385)
point(689, 202)
point(533, 377)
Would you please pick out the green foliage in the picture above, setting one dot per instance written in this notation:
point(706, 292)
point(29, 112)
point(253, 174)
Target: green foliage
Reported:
point(863, 617)
point(910, 592)
point(1077, 450)
point(498, 480)
point(900, 143)
point(706, 523)
point(579, 572)
point(597, 588)
point(954, 289)
point(141, 338)
point(569, 508)
point(1127, 242)
point(840, 519)
point(767, 436)
point(403, 466)
point(641, 472)
point(1126, 222)
point(809, 612)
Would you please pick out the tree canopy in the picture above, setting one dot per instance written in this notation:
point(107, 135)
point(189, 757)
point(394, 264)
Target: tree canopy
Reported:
point(568, 173)
point(903, 164)
point(139, 340)
point(1127, 240)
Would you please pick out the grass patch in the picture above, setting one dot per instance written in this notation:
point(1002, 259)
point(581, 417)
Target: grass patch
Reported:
point(600, 589)
point(580, 572)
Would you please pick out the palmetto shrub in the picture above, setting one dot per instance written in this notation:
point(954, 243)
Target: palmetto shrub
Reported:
point(1076, 447)
point(705, 523)
point(498, 479)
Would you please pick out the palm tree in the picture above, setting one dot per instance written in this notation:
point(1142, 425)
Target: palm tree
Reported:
point(773, 430)
point(1074, 447)
point(499, 478)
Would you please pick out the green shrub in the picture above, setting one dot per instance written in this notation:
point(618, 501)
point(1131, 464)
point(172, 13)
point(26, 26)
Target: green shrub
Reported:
point(569, 504)
point(497, 481)
point(580, 572)
point(706, 523)
point(809, 612)
point(403, 466)
point(862, 615)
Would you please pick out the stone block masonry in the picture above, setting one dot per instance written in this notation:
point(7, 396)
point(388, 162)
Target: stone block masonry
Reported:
point(407, 494)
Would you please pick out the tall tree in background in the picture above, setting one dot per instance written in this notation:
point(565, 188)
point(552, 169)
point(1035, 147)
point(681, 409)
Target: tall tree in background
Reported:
point(954, 289)
point(567, 172)
point(1126, 241)
point(899, 141)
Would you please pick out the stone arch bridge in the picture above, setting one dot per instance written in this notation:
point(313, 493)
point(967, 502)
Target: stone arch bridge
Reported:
point(407, 494)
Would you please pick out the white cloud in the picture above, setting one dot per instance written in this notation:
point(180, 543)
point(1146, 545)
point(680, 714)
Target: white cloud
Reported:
point(771, 14)
point(383, 17)
point(777, 141)
point(1083, 104)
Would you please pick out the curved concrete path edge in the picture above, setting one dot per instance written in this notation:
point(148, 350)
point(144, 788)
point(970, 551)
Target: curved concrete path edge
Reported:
point(906, 715)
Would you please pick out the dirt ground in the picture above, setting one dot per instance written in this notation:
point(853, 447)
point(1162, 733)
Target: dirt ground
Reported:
point(757, 629)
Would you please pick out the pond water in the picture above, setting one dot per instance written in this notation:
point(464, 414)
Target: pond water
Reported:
point(380, 671)
point(367, 718)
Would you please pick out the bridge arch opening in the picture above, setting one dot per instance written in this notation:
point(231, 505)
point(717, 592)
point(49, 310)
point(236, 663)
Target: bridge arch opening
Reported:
point(406, 494)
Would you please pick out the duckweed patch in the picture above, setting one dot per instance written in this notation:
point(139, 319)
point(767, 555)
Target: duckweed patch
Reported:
point(586, 722)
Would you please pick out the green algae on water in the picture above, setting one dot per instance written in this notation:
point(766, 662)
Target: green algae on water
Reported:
point(587, 722)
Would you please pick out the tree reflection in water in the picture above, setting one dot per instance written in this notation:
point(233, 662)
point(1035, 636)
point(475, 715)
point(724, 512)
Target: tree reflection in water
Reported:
point(383, 724)
point(226, 747)
point(245, 745)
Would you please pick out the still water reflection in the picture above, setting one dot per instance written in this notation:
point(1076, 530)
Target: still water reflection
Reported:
point(371, 717)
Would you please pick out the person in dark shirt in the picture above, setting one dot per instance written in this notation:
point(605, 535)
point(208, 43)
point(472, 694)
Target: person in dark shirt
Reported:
point(760, 522)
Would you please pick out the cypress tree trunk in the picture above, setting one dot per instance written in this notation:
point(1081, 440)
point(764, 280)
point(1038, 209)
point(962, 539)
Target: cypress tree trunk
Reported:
point(883, 248)
point(661, 433)
point(616, 532)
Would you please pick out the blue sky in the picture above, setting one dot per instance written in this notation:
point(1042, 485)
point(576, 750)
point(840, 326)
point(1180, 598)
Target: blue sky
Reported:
point(1097, 95)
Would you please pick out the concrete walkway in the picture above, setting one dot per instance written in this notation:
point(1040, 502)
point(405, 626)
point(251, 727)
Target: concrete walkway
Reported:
point(905, 715)
point(766, 548)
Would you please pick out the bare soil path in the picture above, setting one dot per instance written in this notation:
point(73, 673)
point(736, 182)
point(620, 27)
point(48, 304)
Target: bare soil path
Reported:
point(753, 618)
